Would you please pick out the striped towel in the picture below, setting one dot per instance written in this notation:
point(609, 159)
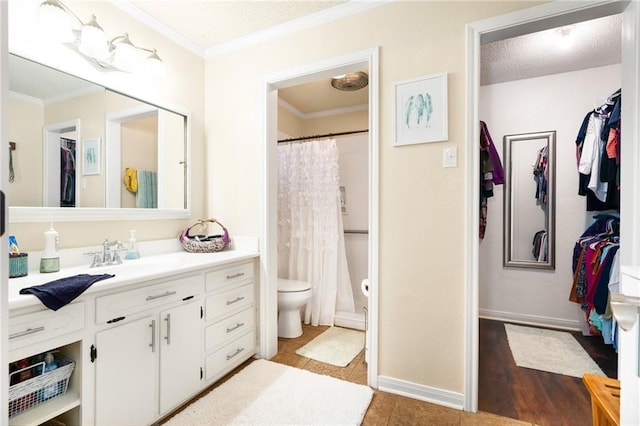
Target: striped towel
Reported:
point(147, 195)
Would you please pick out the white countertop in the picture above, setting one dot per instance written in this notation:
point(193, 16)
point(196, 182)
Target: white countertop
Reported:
point(129, 272)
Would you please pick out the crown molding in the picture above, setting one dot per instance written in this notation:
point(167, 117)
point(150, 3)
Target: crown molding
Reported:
point(318, 114)
point(351, 7)
point(150, 21)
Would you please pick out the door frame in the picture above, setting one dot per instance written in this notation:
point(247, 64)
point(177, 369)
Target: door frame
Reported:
point(537, 18)
point(268, 329)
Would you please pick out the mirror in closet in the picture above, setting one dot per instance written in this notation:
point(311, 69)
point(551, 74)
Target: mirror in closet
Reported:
point(529, 200)
point(74, 141)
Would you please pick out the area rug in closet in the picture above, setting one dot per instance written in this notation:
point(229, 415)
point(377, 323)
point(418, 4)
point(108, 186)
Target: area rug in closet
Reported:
point(337, 346)
point(267, 393)
point(549, 350)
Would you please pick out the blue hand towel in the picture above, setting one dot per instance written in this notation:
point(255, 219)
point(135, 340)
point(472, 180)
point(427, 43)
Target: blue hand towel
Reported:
point(55, 294)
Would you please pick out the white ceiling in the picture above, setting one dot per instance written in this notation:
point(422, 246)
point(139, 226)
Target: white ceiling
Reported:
point(206, 26)
point(594, 43)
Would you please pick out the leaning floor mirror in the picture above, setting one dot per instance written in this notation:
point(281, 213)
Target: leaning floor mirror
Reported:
point(529, 200)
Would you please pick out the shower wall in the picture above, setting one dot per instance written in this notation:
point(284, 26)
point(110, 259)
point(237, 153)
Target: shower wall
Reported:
point(354, 178)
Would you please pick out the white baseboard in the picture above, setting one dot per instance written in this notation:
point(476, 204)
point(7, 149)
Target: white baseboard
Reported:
point(442, 397)
point(353, 320)
point(563, 324)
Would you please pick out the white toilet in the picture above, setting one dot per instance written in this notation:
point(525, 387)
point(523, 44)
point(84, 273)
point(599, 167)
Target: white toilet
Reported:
point(292, 295)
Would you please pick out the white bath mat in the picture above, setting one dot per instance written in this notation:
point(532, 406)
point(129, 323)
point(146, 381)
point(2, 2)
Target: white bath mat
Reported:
point(267, 393)
point(336, 346)
point(548, 350)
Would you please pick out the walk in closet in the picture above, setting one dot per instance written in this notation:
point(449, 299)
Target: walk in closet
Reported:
point(554, 218)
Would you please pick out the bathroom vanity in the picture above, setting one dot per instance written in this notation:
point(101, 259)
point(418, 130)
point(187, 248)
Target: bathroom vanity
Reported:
point(143, 342)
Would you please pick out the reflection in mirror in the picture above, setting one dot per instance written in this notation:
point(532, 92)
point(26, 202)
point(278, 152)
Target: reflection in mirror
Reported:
point(50, 112)
point(529, 200)
point(61, 123)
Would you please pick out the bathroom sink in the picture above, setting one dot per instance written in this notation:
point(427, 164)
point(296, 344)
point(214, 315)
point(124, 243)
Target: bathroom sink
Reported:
point(138, 267)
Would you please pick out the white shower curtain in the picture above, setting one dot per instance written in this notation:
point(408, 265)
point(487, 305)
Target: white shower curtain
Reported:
point(310, 233)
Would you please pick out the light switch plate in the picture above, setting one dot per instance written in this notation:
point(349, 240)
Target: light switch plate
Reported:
point(450, 156)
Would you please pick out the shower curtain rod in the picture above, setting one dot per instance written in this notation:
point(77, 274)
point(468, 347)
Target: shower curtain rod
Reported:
point(326, 135)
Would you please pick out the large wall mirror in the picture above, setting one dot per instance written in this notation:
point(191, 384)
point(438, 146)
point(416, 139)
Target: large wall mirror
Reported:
point(86, 152)
point(529, 200)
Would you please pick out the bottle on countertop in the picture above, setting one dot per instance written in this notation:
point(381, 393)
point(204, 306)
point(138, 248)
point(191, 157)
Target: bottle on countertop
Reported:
point(50, 261)
point(132, 248)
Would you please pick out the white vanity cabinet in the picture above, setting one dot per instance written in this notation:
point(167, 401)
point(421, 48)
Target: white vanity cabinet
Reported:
point(230, 335)
point(143, 343)
point(148, 365)
point(37, 332)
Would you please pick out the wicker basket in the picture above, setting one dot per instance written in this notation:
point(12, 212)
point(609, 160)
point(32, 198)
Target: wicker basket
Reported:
point(43, 387)
point(204, 243)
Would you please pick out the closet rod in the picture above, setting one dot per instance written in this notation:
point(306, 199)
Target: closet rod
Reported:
point(326, 135)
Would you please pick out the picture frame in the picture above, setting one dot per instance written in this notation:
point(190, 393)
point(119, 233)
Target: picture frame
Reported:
point(91, 156)
point(421, 108)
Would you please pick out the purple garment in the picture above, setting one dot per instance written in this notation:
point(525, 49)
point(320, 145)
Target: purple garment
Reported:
point(487, 141)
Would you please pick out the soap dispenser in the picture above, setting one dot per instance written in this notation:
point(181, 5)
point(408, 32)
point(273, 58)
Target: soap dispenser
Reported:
point(132, 249)
point(50, 261)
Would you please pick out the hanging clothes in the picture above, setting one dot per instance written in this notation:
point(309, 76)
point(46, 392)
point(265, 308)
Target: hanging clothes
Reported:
point(67, 173)
point(598, 155)
point(491, 173)
point(541, 175)
point(595, 260)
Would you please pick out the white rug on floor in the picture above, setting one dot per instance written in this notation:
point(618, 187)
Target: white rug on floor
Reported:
point(336, 346)
point(267, 393)
point(549, 350)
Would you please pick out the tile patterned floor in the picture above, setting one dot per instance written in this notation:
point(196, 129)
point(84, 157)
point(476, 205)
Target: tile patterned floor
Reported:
point(386, 409)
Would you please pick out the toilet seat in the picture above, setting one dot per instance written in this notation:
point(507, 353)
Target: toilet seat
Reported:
point(292, 286)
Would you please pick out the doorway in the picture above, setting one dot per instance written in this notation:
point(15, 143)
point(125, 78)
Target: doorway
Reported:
point(526, 21)
point(268, 301)
point(60, 176)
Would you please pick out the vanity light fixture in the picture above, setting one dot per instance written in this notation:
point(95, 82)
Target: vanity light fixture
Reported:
point(91, 42)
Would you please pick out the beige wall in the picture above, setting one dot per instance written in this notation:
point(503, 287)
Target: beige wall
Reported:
point(25, 129)
point(184, 88)
point(421, 312)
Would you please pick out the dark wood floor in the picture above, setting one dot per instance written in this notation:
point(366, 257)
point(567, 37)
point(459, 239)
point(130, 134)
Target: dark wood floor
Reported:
point(542, 398)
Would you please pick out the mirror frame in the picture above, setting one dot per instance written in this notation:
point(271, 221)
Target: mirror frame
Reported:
point(508, 259)
point(23, 214)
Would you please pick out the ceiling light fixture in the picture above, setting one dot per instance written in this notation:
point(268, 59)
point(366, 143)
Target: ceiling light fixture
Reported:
point(351, 81)
point(91, 42)
point(565, 36)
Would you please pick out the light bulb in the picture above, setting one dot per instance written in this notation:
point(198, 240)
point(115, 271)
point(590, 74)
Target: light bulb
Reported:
point(93, 41)
point(125, 54)
point(55, 22)
point(154, 68)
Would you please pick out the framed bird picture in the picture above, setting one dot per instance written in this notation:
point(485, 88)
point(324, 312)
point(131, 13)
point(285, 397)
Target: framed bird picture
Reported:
point(421, 110)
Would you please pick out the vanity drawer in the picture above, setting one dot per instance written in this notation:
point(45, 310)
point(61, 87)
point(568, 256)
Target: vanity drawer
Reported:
point(220, 333)
point(129, 302)
point(35, 327)
point(225, 303)
point(230, 356)
point(231, 275)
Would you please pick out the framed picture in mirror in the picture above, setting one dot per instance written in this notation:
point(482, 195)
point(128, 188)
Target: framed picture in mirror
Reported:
point(91, 156)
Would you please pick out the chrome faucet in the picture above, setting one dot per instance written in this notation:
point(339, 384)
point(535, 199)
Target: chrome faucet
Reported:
point(109, 255)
